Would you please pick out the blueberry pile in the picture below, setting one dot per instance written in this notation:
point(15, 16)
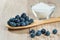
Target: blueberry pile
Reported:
point(22, 20)
point(39, 32)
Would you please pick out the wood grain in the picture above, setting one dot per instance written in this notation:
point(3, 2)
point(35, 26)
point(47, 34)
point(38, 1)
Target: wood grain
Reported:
point(37, 23)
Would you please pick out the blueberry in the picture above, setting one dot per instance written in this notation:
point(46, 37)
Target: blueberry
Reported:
point(54, 31)
point(12, 24)
point(23, 15)
point(22, 24)
point(47, 33)
point(17, 24)
point(22, 19)
point(31, 21)
point(27, 22)
point(26, 18)
point(43, 31)
point(12, 19)
point(8, 22)
point(32, 35)
point(38, 33)
point(17, 16)
point(17, 21)
point(32, 31)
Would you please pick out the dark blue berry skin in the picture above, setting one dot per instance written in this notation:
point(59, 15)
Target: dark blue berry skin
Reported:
point(26, 18)
point(38, 33)
point(32, 35)
point(23, 15)
point(17, 16)
point(22, 24)
point(43, 31)
point(12, 19)
point(54, 31)
point(32, 31)
point(12, 24)
point(17, 21)
point(31, 21)
point(17, 24)
point(8, 22)
point(27, 22)
point(47, 33)
point(22, 19)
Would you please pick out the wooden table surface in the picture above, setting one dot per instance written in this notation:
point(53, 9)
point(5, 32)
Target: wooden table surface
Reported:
point(9, 8)
point(6, 34)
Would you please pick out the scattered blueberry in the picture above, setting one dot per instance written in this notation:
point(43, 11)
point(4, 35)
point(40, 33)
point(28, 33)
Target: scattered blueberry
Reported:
point(54, 31)
point(32, 31)
point(12, 24)
point(32, 35)
point(38, 33)
point(47, 33)
point(43, 31)
point(23, 15)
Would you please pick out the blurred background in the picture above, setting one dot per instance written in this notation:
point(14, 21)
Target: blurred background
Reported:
point(10, 8)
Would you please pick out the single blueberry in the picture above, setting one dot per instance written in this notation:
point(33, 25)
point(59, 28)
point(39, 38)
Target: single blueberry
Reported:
point(12, 24)
point(32, 31)
point(17, 16)
point(38, 33)
point(12, 19)
point(47, 33)
point(31, 21)
point(22, 24)
point(27, 22)
point(26, 18)
point(32, 35)
point(23, 15)
point(17, 24)
point(43, 31)
point(17, 21)
point(8, 22)
point(22, 19)
point(54, 31)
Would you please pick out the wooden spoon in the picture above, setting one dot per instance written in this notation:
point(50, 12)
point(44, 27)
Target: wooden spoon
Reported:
point(36, 23)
